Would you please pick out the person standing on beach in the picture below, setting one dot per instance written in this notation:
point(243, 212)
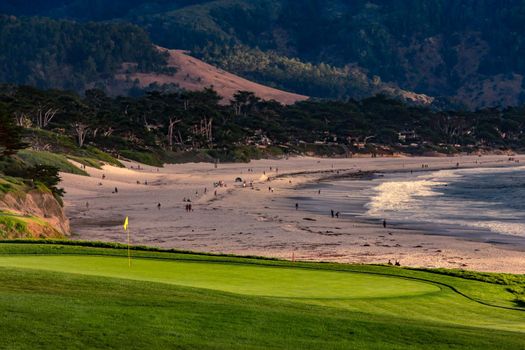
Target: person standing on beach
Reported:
point(296, 206)
point(384, 223)
point(332, 212)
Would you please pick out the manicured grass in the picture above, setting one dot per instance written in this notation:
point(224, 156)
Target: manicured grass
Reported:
point(242, 279)
point(60, 296)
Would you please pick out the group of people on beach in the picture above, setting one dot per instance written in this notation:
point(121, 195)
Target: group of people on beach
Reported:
point(396, 263)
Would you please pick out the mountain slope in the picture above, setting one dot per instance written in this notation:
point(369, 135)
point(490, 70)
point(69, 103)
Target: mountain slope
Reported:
point(63, 54)
point(470, 51)
point(193, 74)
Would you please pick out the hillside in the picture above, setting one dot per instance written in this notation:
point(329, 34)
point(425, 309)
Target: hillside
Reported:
point(194, 75)
point(63, 54)
point(30, 212)
point(463, 52)
point(82, 55)
point(471, 52)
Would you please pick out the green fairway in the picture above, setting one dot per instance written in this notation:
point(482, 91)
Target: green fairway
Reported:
point(55, 296)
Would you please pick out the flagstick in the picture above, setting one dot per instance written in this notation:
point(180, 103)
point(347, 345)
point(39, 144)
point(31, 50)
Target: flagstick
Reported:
point(129, 253)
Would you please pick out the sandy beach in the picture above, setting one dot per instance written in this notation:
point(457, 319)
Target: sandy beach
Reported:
point(262, 220)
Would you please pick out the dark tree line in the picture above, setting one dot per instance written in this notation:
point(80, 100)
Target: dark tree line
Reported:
point(159, 123)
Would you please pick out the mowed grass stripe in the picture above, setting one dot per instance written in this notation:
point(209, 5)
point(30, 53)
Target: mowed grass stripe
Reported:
point(242, 279)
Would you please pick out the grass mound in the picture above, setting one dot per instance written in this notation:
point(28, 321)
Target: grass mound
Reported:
point(62, 144)
point(67, 296)
point(58, 161)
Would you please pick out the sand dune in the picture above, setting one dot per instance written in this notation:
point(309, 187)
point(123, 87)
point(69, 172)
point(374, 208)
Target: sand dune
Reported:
point(256, 221)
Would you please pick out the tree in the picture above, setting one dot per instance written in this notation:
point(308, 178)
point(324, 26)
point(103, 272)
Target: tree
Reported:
point(81, 131)
point(47, 175)
point(10, 135)
point(44, 115)
point(171, 126)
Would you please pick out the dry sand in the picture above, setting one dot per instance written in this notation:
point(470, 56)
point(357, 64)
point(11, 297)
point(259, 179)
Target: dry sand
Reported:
point(256, 221)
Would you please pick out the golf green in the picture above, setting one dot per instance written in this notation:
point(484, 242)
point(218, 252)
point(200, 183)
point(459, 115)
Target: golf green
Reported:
point(235, 278)
point(70, 296)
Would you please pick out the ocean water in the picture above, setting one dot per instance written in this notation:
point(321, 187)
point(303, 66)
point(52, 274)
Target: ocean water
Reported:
point(491, 199)
point(481, 202)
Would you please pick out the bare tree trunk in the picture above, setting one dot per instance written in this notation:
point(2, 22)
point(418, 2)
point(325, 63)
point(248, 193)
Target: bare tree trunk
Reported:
point(22, 120)
point(108, 132)
point(171, 125)
point(48, 116)
point(237, 109)
point(44, 115)
point(82, 131)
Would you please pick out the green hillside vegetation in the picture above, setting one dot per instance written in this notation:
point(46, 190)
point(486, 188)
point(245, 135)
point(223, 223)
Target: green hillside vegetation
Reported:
point(436, 47)
point(20, 177)
point(62, 54)
point(16, 225)
point(460, 52)
point(224, 302)
point(13, 225)
point(318, 80)
point(33, 158)
point(64, 146)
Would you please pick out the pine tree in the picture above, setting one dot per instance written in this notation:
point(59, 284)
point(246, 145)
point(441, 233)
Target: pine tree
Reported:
point(10, 135)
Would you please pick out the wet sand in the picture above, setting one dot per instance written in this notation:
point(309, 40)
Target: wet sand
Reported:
point(258, 221)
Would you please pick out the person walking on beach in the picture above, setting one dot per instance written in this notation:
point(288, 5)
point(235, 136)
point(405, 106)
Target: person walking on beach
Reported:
point(337, 215)
point(384, 223)
point(116, 190)
point(332, 212)
point(158, 206)
point(296, 206)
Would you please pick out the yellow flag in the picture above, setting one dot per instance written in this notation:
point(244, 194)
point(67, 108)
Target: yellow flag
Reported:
point(126, 224)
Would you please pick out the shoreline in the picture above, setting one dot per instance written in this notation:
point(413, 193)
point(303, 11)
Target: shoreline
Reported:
point(478, 234)
point(248, 221)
